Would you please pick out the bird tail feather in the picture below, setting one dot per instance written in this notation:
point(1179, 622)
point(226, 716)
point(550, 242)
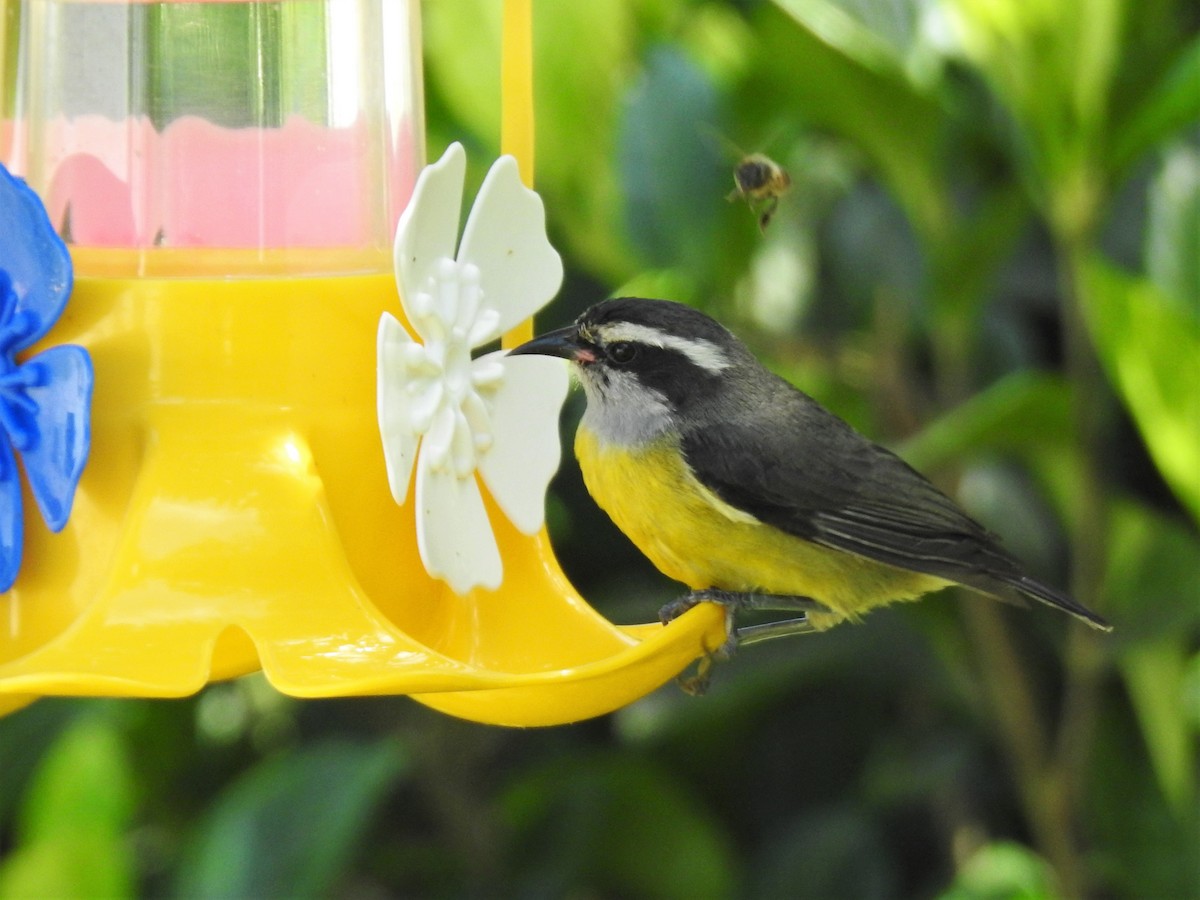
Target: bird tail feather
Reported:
point(1045, 594)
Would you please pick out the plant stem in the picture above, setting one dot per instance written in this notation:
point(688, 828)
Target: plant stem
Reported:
point(1084, 663)
point(1026, 744)
point(1049, 766)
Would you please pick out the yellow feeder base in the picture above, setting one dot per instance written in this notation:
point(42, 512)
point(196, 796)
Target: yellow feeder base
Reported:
point(235, 514)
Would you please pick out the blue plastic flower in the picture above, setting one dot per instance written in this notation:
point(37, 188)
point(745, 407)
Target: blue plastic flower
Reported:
point(44, 400)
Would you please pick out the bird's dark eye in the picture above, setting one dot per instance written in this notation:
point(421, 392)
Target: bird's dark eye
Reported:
point(622, 352)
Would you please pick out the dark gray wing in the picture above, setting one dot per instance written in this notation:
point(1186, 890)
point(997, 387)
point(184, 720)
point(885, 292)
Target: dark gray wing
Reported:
point(828, 484)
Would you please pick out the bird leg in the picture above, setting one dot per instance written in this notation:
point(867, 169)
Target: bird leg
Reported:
point(735, 601)
point(756, 634)
point(747, 634)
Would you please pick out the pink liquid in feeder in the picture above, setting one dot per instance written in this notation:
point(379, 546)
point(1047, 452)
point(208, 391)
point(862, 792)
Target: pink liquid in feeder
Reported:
point(299, 185)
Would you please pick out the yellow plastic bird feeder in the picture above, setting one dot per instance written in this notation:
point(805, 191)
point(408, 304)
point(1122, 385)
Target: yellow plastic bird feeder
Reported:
point(228, 178)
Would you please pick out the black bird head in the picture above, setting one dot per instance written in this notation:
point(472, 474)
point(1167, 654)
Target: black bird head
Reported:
point(630, 350)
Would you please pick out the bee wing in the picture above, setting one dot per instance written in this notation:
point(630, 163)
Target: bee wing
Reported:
point(724, 144)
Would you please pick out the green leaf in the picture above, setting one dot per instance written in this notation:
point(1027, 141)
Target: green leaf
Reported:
point(83, 866)
point(74, 822)
point(1150, 348)
point(1023, 412)
point(1149, 558)
point(1151, 562)
point(1172, 105)
point(1155, 676)
point(1025, 417)
point(84, 785)
point(1052, 64)
point(462, 63)
point(1003, 871)
point(290, 825)
point(579, 50)
point(837, 28)
point(24, 739)
point(1144, 849)
point(1191, 693)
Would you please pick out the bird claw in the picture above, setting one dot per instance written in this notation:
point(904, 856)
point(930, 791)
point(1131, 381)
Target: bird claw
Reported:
point(732, 602)
point(676, 608)
point(697, 685)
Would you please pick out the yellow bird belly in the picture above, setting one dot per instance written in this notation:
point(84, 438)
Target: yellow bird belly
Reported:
point(693, 536)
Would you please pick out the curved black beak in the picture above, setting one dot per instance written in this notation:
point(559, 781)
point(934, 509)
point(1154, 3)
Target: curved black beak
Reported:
point(563, 343)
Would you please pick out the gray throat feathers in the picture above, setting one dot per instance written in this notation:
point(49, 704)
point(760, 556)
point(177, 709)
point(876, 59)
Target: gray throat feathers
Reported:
point(624, 413)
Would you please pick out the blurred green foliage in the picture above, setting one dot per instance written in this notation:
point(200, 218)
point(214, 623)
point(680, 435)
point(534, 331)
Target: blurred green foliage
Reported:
point(990, 259)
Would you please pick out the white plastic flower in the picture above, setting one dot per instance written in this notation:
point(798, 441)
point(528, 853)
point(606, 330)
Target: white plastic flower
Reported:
point(455, 416)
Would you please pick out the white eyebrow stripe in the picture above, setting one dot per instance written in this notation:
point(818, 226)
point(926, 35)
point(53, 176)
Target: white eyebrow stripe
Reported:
point(705, 354)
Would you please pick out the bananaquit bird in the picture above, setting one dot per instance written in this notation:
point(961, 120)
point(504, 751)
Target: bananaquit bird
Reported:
point(750, 492)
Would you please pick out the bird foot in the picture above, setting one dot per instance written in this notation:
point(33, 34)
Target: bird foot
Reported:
point(698, 683)
point(733, 602)
point(677, 607)
point(736, 601)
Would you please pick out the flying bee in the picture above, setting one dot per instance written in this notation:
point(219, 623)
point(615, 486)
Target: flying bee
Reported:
point(759, 178)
